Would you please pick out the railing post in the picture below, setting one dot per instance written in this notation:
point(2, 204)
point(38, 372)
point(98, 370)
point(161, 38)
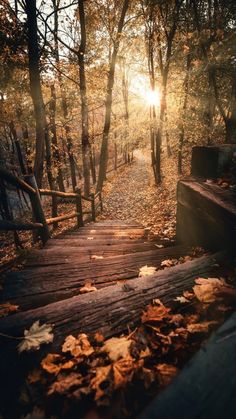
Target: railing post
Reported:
point(93, 207)
point(37, 209)
point(79, 209)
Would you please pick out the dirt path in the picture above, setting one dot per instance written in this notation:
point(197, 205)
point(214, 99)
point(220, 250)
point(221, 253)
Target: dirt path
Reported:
point(130, 194)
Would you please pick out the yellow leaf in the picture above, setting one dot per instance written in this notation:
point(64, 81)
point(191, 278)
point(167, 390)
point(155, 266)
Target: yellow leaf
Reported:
point(78, 347)
point(147, 270)
point(36, 336)
point(87, 288)
point(117, 348)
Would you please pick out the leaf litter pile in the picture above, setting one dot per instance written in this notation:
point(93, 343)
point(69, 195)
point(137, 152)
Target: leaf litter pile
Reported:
point(93, 377)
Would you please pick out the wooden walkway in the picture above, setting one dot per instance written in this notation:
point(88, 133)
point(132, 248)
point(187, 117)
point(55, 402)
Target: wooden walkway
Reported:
point(107, 255)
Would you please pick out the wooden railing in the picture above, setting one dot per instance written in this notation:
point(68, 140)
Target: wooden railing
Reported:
point(40, 222)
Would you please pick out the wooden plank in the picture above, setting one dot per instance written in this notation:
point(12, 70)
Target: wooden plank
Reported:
point(206, 215)
point(112, 310)
point(51, 282)
point(64, 256)
point(206, 387)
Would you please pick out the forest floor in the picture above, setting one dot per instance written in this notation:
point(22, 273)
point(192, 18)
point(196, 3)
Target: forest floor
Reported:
point(131, 194)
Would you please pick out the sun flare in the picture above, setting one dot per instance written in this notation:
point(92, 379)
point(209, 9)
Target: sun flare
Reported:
point(140, 85)
point(152, 97)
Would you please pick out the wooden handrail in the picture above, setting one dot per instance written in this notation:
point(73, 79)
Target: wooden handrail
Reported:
point(59, 194)
point(86, 198)
point(6, 225)
point(62, 217)
point(16, 181)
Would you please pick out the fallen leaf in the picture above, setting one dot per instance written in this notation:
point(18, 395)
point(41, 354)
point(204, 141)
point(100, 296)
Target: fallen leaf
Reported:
point(200, 327)
point(53, 364)
point(99, 337)
point(34, 376)
point(168, 263)
point(78, 347)
point(7, 308)
point(89, 238)
point(96, 257)
point(155, 313)
point(147, 270)
point(181, 299)
point(123, 371)
point(65, 383)
point(206, 289)
point(117, 348)
point(102, 374)
point(87, 288)
point(36, 336)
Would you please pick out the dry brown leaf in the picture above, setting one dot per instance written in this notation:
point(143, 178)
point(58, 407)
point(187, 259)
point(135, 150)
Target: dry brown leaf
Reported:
point(181, 299)
point(87, 288)
point(117, 348)
point(34, 376)
point(102, 374)
point(200, 327)
point(147, 270)
point(65, 383)
point(206, 289)
point(90, 238)
point(53, 364)
point(155, 313)
point(7, 308)
point(168, 263)
point(97, 257)
point(78, 347)
point(99, 337)
point(36, 336)
point(123, 371)
point(166, 373)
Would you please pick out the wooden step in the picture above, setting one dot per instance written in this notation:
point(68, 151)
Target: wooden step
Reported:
point(39, 285)
point(112, 310)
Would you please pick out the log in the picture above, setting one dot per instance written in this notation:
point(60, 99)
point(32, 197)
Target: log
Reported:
point(206, 215)
point(18, 226)
point(206, 386)
point(62, 217)
point(112, 310)
point(212, 161)
point(16, 181)
point(49, 192)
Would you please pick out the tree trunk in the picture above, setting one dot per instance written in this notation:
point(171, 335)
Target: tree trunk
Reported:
point(35, 88)
point(84, 102)
point(56, 153)
point(108, 102)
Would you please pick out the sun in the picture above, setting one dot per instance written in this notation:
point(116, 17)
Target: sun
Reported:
point(152, 97)
point(140, 87)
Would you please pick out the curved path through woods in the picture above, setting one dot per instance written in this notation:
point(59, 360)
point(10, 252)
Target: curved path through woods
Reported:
point(130, 194)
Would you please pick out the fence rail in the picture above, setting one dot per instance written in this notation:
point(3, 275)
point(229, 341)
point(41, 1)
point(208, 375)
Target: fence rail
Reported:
point(40, 222)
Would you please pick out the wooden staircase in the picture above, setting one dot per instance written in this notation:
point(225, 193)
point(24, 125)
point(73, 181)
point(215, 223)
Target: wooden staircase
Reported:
point(107, 255)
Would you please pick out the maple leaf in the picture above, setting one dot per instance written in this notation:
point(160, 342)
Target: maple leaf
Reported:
point(147, 270)
point(65, 383)
point(78, 347)
point(123, 371)
point(53, 364)
point(90, 238)
point(87, 288)
point(155, 313)
point(206, 289)
point(200, 327)
point(117, 348)
point(102, 374)
point(7, 308)
point(36, 336)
